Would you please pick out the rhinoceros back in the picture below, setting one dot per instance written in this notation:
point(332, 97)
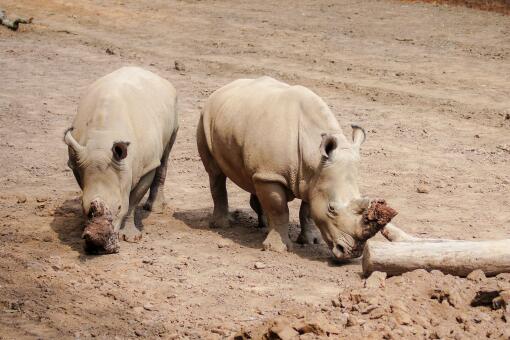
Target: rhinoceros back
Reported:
point(255, 127)
point(130, 104)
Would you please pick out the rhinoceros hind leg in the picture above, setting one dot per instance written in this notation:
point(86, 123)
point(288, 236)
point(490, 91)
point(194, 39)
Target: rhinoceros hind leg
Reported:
point(273, 200)
point(255, 205)
point(309, 232)
point(217, 182)
point(156, 200)
point(218, 185)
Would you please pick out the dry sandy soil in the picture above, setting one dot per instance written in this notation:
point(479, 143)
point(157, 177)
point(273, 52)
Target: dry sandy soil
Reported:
point(429, 83)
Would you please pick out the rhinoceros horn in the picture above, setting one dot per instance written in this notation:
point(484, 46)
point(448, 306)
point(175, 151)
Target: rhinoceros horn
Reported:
point(70, 141)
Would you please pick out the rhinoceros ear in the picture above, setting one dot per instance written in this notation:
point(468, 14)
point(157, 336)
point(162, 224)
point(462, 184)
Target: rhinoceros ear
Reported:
point(358, 136)
point(328, 145)
point(120, 150)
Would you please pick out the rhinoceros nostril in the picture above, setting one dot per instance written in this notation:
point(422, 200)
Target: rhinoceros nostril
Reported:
point(340, 248)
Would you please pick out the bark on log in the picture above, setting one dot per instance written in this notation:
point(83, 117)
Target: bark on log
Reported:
point(449, 256)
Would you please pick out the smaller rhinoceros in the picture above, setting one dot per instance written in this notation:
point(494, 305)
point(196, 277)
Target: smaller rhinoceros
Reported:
point(281, 142)
point(119, 145)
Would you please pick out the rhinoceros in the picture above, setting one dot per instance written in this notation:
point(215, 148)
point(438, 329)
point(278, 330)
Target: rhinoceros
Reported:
point(119, 145)
point(281, 142)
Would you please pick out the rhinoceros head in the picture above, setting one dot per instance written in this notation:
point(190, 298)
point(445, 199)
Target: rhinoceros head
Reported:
point(101, 170)
point(336, 205)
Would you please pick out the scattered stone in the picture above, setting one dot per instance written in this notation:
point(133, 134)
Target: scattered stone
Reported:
point(449, 295)
point(479, 317)
point(220, 331)
point(223, 243)
point(401, 313)
point(376, 280)
point(149, 307)
point(422, 189)
point(477, 276)
point(485, 296)
point(259, 265)
point(139, 332)
point(377, 313)
point(47, 238)
point(507, 116)
point(22, 198)
point(179, 66)
point(317, 325)
point(109, 51)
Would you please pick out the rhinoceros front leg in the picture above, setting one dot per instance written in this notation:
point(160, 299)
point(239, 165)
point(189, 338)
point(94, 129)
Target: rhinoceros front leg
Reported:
point(156, 200)
point(129, 231)
point(255, 205)
point(273, 200)
point(309, 232)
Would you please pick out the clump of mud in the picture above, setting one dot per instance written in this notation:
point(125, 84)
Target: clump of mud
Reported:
point(100, 238)
point(376, 216)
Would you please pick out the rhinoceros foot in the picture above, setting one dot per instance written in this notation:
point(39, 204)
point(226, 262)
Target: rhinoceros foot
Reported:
point(130, 233)
point(219, 222)
point(277, 242)
point(157, 206)
point(309, 237)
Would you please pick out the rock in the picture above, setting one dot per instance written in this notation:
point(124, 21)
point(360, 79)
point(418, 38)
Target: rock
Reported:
point(353, 321)
point(400, 313)
point(449, 295)
point(484, 296)
point(317, 325)
point(259, 265)
point(140, 333)
point(422, 189)
point(282, 330)
point(109, 51)
point(479, 317)
point(376, 280)
point(223, 243)
point(179, 66)
point(220, 331)
point(41, 199)
point(377, 313)
point(149, 307)
point(47, 238)
point(21, 198)
point(477, 276)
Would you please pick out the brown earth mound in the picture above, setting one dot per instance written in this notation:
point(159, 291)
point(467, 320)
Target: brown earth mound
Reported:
point(380, 310)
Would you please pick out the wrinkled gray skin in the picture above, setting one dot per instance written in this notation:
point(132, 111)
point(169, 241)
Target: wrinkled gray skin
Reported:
point(281, 142)
point(119, 145)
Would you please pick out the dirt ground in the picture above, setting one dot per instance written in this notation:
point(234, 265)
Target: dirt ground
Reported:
point(429, 83)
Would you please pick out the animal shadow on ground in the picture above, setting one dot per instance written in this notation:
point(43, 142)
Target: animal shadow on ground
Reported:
point(244, 231)
point(68, 222)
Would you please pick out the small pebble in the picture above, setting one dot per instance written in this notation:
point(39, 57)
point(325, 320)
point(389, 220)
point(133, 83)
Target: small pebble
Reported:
point(259, 265)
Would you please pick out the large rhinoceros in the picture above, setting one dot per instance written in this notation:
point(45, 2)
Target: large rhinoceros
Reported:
point(281, 142)
point(119, 145)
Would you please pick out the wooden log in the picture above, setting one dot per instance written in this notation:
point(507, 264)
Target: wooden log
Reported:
point(449, 256)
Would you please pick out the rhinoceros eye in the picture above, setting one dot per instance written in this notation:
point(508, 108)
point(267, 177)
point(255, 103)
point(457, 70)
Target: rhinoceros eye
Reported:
point(332, 209)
